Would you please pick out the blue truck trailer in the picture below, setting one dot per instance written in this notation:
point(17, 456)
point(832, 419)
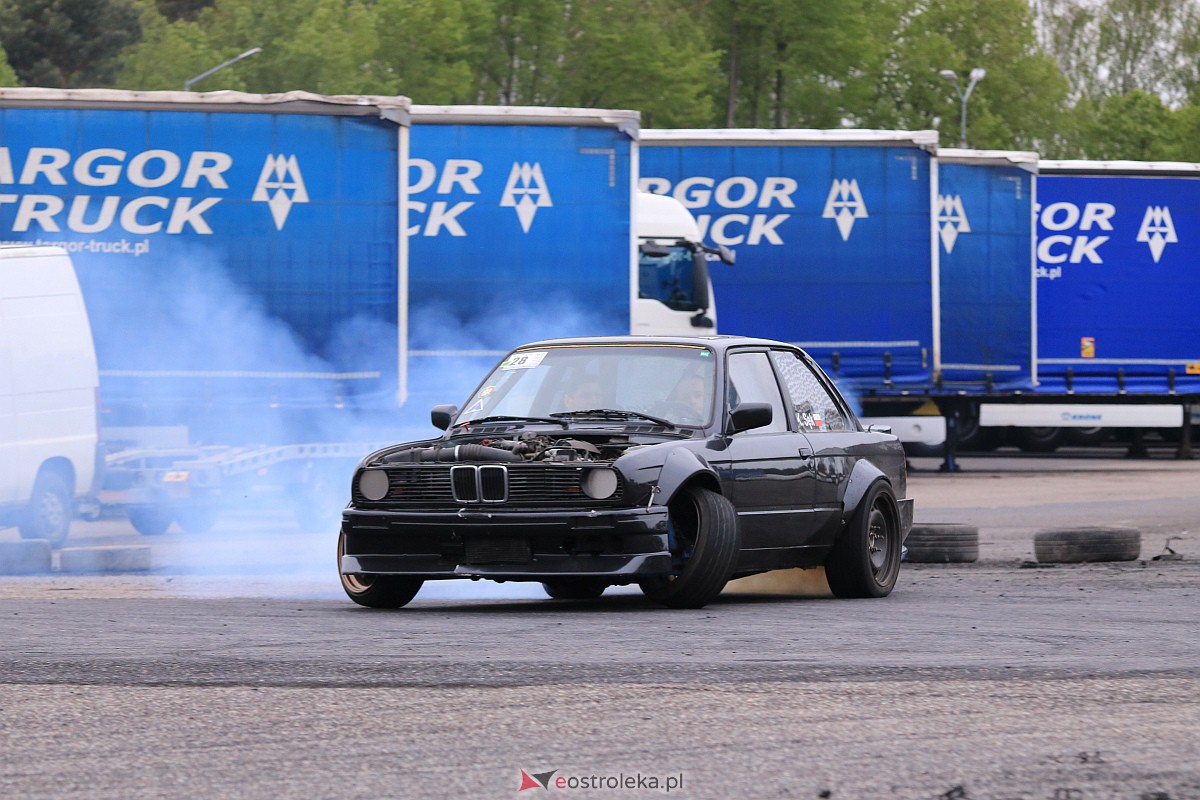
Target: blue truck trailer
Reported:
point(969, 308)
point(269, 272)
point(525, 223)
point(1116, 338)
point(241, 276)
point(836, 246)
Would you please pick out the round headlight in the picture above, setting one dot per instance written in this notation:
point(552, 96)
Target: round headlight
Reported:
point(599, 484)
point(373, 484)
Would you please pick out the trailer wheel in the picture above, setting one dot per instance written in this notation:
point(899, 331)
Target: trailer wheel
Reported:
point(1039, 440)
point(865, 560)
point(575, 588)
point(377, 591)
point(944, 543)
point(48, 515)
point(1076, 545)
point(705, 549)
point(200, 519)
point(150, 521)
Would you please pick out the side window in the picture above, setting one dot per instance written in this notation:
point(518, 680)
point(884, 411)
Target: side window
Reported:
point(815, 409)
point(751, 380)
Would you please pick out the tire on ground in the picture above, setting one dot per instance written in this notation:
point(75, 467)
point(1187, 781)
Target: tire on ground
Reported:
point(377, 591)
point(1076, 545)
point(865, 560)
point(942, 543)
point(706, 537)
point(107, 560)
point(575, 588)
point(48, 515)
point(151, 520)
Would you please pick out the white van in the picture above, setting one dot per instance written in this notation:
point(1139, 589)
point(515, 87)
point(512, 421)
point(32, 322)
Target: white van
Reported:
point(48, 382)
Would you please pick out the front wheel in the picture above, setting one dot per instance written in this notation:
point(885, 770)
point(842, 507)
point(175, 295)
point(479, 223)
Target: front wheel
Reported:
point(377, 591)
point(704, 550)
point(865, 560)
point(48, 515)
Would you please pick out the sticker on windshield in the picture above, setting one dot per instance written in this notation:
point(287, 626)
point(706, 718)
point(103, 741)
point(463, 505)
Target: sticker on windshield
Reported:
point(475, 408)
point(523, 360)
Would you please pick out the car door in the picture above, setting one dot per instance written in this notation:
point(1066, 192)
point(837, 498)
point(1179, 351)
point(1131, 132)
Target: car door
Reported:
point(770, 469)
point(830, 431)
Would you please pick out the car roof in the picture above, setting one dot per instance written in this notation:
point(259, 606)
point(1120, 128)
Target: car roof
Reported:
point(722, 342)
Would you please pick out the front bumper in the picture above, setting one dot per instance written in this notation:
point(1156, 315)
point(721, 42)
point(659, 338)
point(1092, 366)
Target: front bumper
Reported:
point(624, 544)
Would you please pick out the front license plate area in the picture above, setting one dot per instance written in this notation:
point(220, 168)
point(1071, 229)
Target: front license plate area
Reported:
point(488, 550)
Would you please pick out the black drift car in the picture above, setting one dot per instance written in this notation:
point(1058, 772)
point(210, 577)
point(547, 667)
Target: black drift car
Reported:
point(672, 463)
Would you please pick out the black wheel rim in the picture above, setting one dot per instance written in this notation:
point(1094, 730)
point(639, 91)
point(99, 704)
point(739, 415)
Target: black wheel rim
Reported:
point(880, 541)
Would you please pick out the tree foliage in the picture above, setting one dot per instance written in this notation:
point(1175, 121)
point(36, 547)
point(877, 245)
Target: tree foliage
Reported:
point(1070, 78)
point(67, 43)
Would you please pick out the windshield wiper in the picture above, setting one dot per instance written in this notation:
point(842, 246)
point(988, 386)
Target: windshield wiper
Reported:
point(506, 418)
point(611, 413)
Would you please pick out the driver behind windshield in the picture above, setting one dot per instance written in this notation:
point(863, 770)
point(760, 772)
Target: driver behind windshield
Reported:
point(586, 395)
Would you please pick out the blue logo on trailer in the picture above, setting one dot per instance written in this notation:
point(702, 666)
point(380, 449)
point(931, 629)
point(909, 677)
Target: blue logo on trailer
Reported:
point(833, 247)
point(1117, 279)
point(985, 233)
point(216, 245)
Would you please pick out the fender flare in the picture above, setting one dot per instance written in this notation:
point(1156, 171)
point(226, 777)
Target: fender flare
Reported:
point(681, 468)
point(862, 478)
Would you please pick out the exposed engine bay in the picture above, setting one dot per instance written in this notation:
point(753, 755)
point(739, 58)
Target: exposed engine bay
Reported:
point(528, 446)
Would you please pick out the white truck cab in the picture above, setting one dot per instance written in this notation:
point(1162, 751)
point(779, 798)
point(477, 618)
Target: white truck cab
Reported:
point(672, 291)
point(48, 382)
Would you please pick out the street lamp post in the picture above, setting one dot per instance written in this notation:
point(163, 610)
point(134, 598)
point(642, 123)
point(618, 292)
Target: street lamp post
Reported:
point(976, 76)
point(187, 85)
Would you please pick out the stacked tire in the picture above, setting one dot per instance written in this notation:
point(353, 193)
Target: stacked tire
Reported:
point(942, 543)
point(1079, 545)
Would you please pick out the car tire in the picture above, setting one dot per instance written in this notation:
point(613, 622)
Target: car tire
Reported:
point(377, 591)
point(151, 521)
point(865, 560)
point(707, 542)
point(1077, 545)
point(575, 588)
point(48, 515)
point(944, 543)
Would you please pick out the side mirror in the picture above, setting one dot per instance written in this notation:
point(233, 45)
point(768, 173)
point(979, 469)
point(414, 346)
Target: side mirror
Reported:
point(879, 428)
point(726, 255)
point(700, 280)
point(440, 416)
point(748, 416)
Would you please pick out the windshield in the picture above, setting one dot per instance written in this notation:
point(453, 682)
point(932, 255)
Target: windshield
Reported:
point(675, 383)
point(668, 277)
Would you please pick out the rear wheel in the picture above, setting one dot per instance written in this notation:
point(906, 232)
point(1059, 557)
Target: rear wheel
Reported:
point(575, 588)
point(48, 515)
point(377, 591)
point(704, 550)
point(865, 560)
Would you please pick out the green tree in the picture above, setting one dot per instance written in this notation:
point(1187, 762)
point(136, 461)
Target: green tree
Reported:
point(326, 46)
point(1017, 104)
point(433, 50)
point(649, 55)
point(7, 76)
point(1136, 126)
point(522, 58)
point(793, 62)
point(67, 43)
